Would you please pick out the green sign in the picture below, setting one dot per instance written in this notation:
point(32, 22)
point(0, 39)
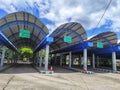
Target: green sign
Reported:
point(68, 39)
point(24, 33)
point(99, 45)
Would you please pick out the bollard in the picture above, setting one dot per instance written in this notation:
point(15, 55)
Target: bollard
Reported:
point(85, 70)
point(51, 68)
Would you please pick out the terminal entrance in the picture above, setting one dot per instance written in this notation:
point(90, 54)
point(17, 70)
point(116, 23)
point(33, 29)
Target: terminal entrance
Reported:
point(25, 39)
point(65, 58)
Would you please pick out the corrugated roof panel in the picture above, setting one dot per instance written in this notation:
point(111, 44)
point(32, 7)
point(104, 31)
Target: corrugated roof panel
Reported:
point(73, 29)
point(2, 22)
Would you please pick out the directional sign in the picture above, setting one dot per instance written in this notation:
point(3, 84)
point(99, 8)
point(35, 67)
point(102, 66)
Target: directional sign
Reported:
point(24, 33)
point(99, 45)
point(68, 39)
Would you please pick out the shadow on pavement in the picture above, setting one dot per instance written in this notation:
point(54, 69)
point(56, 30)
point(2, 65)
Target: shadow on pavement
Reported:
point(19, 69)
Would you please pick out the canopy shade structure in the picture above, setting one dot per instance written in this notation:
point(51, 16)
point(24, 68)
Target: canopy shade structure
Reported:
point(6, 42)
point(73, 30)
point(109, 40)
point(11, 25)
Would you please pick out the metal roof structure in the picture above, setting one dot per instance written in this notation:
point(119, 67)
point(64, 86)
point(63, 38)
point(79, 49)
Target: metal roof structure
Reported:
point(107, 38)
point(72, 29)
point(11, 24)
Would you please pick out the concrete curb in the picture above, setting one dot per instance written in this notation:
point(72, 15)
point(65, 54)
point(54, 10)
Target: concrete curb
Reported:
point(106, 70)
point(5, 67)
point(38, 70)
point(70, 69)
point(78, 70)
point(42, 71)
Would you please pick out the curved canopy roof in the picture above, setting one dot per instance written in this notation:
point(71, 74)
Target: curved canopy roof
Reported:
point(72, 29)
point(11, 24)
point(108, 39)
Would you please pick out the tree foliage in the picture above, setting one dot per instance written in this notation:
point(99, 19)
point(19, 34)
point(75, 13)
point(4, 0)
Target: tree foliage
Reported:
point(27, 52)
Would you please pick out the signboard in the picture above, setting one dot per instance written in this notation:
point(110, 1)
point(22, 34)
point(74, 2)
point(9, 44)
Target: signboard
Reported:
point(24, 33)
point(68, 39)
point(99, 45)
point(90, 44)
point(50, 39)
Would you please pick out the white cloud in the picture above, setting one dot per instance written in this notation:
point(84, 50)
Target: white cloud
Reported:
point(86, 12)
point(114, 15)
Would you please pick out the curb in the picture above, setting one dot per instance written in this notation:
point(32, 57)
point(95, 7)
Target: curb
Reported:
point(77, 70)
point(107, 71)
point(5, 67)
point(35, 68)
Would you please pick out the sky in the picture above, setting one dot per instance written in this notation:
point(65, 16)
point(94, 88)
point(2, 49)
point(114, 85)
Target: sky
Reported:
point(53, 13)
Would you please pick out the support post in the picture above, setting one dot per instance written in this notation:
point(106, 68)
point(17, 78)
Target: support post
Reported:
point(85, 58)
point(80, 60)
point(35, 59)
point(93, 60)
point(114, 61)
point(97, 61)
point(70, 59)
point(40, 59)
point(13, 61)
point(3, 56)
point(61, 59)
point(46, 57)
point(8, 60)
point(12, 57)
point(55, 59)
point(8, 57)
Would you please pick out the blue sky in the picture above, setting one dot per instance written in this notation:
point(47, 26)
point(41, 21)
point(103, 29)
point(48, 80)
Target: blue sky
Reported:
point(53, 13)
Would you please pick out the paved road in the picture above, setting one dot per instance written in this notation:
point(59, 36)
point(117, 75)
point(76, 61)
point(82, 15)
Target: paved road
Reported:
point(24, 77)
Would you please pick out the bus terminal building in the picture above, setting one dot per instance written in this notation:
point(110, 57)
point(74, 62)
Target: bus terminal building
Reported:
point(68, 45)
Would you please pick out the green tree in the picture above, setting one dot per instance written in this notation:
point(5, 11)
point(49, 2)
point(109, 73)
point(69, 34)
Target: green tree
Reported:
point(27, 52)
